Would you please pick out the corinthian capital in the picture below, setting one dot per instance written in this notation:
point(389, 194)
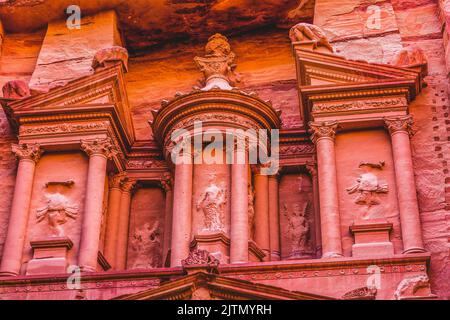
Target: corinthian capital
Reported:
point(321, 130)
point(102, 147)
point(166, 182)
point(27, 151)
point(129, 185)
point(399, 124)
point(116, 181)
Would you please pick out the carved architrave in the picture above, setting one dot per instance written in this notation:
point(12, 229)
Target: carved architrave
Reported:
point(321, 130)
point(102, 147)
point(24, 151)
point(399, 124)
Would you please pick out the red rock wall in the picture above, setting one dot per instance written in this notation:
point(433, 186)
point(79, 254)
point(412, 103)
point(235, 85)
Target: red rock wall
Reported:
point(403, 24)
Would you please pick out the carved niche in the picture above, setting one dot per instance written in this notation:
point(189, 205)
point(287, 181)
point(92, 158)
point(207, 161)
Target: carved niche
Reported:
point(146, 242)
point(297, 217)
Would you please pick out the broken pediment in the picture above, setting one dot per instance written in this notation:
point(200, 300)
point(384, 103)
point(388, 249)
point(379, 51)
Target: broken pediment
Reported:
point(101, 95)
point(208, 286)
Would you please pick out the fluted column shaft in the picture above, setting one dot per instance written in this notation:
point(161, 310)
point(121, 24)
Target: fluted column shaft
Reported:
point(28, 156)
point(182, 210)
point(324, 138)
point(123, 228)
point(274, 219)
point(262, 234)
point(99, 151)
point(239, 209)
point(400, 129)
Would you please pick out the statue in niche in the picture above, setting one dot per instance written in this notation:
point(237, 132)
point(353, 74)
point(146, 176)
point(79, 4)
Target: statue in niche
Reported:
point(147, 243)
point(251, 212)
point(298, 227)
point(368, 186)
point(57, 211)
point(211, 203)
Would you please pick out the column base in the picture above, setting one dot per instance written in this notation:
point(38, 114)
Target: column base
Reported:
point(372, 239)
point(7, 274)
point(414, 250)
point(49, 256)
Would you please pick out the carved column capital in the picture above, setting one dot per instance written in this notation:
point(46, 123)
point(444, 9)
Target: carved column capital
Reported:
point(323, 130)
point(399, 124)
point(167, 182)
point(129, 186)
point(312, 168)
point(32, 152)
point(102, 147)
point(116, 181)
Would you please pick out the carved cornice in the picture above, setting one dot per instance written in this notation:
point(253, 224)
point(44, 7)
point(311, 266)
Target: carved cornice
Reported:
point(323, 130)
point(102, 147)
point(399, 124)
point(32, 152)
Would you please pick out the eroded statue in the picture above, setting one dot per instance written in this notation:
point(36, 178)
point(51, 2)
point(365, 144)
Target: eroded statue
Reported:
point(57, 212)
point(409, 286)
point(305, 32)
point(298, 227)
point(147, 243)
point(211, 204)
point(368, 186)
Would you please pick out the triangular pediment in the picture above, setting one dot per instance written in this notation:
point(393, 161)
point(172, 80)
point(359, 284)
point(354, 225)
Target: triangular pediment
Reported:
point(103, 92)
point(208, 286)
point(317, 68)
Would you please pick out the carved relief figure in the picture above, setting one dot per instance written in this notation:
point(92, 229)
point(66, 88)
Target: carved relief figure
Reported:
point(251, 212)
point(298, 227)
point(309, 32)
point(212, 202)
point(147, 243)
point(368, 186)
point(409, 286)
point(57, 211)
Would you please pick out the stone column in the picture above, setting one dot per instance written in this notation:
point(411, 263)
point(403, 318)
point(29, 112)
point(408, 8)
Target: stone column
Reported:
point(123, 229)
point(28, 156)
point(182, 210)
point(312, 169)
point(239, 208)
point(115, 195)
point(400, 130)
point(262, 237)
point(323, 136)
point(167, 187)
point(99, 151)
point(274, 219)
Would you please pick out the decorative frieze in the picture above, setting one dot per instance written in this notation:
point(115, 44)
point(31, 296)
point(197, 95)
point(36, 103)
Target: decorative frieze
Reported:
point(63, 128)
point(360, 105)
